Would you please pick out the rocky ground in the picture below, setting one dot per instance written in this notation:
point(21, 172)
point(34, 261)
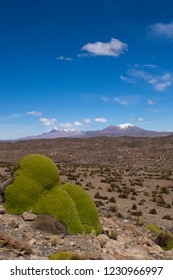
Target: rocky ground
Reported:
point(131, 182)
point(120, 240)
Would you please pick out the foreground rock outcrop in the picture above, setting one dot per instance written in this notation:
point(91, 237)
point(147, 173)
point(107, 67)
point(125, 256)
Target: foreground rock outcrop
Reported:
point(21, 240)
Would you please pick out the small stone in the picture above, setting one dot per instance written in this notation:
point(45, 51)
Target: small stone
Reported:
point(2, 210)
point(102, 238)
point(94, 256)
point(60, 241)
point(38, 258)
point(13, 223)
point(28, 216)
point(32, 242)
point(115, 246)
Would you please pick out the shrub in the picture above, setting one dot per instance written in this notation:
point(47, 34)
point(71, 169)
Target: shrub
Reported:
point(154, 228)
point(164, 240)
point(164, 190)
point(167, 217)
point(37, 188)
point(66, 256)
point(134, 206)
point(40, 169)
point(85, 206)
point(153, 211)
point(21, 195)
point(61, 206)
point(112, 199)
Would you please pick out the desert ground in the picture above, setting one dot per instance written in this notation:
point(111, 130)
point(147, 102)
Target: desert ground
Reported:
point(128, 178)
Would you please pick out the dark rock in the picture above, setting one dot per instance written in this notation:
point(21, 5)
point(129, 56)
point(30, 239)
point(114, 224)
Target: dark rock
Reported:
point(48, 224)
point(4, 186)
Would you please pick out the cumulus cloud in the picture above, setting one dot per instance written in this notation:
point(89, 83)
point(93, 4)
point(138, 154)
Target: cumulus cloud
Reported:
point(164, 30)
point(160, 81)
point(64, 58)
point(87, 120)
point(47, 122)
point(100, 120)
point(34, 113)
point(114, 48)
point(70, 125)
point(76, 123)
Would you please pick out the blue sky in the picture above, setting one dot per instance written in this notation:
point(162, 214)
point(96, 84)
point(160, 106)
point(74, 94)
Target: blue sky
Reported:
point(85, 65)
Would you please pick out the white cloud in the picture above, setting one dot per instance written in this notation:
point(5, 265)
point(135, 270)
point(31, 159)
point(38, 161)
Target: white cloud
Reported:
point(121, 100)
point(162, 86)
point(105, 98)
point(70, 125)
point(64, 58)
point(150, 102)
point(140, 119)
point(163, 30)
point(163, 109)
point(48, 122)
point(34, 113)
point(87, 120)
point(159, 81)
point(66, 125)
point(137, 120)
point(124, 78)
point(114, 48)
point(15, 115)
point(151, 66)
point(12, 116)
point(76, 123)
point(126, 100)
point(100, 120)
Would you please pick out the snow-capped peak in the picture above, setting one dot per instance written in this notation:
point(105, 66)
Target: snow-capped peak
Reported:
point(125, 125)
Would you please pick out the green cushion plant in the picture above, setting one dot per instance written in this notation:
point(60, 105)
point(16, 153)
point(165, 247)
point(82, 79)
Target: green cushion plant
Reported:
point(66, 256)
point(22, 194)
point(39, 168)
point(61, 206)
point(163, 239)
point(37, 188)
point(85, 206)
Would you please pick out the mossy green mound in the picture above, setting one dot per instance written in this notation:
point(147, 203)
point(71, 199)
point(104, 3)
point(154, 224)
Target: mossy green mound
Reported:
point(21, 195)
point(163, 239)
point(86, 208)
point(66, 256)
point(37, 188)
point(154, 228)
point(61, 206)
point(39, 168)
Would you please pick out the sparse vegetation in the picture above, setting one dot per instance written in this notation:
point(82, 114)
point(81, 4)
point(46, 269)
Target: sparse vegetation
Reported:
point(66, 256)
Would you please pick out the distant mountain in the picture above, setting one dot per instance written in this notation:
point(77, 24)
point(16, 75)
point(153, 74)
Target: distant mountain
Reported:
point(57, 133)
point(126, 129)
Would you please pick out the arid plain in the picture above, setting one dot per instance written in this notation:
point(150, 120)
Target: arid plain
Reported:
point(130, 179)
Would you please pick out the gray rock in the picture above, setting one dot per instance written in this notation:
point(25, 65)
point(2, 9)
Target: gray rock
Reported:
point(4, 186)
point(13, 223)
point(48, 224)
point(2, 210)
point(28, 216)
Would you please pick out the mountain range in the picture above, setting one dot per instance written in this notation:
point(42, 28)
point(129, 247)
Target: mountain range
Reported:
point(126, 129)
